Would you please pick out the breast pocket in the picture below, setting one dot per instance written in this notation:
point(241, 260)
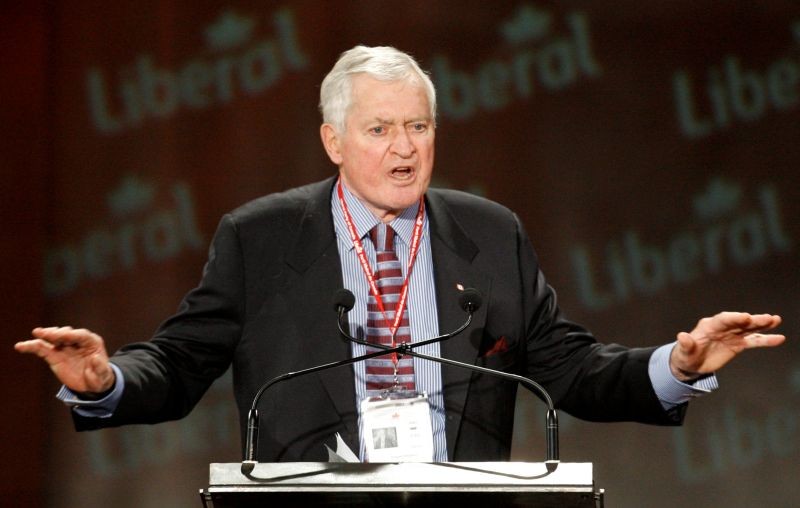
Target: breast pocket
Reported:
point(498, 354)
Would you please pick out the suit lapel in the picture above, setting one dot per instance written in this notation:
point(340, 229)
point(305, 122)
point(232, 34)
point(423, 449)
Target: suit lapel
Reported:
point(316, 256)
point(453, 254)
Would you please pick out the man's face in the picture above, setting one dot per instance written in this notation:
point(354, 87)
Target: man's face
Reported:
point(385, 155)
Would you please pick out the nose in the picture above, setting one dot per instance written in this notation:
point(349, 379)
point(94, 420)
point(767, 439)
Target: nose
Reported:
point(402, 144)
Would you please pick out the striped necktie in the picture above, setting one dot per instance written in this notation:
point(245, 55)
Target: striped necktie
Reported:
point(389, 279)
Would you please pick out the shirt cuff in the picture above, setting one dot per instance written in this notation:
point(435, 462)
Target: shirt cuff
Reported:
point(670, 391)
point(101, 408)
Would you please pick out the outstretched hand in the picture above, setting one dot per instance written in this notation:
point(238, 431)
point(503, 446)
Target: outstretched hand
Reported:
point(77, 357)
point(717, 340)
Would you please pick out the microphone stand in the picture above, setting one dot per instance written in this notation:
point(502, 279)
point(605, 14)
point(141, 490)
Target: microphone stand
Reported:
point(551, 419)
point(251, 436)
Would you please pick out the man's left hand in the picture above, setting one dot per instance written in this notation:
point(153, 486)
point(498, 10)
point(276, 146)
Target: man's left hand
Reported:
point(717, 340)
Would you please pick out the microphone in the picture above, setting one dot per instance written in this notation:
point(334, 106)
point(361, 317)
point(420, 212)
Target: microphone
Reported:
point(470, 300)
point(344, 300)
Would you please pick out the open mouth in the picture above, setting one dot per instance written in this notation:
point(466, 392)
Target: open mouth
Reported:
point(402, 172)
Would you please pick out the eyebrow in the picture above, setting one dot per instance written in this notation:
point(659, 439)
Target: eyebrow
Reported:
point(412, 120)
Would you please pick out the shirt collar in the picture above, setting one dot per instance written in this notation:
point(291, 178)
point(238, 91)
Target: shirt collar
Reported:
point(364, 221)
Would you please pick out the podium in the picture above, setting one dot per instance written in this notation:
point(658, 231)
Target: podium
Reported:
point(493, 484)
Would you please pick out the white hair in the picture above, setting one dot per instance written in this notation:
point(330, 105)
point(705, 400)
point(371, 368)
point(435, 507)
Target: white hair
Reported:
point(384, 63)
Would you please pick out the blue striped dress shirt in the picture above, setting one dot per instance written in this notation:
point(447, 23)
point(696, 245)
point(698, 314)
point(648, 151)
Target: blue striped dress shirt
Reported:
point(422, 314)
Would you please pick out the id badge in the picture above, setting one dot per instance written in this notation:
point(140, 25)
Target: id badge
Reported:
point(397, 428)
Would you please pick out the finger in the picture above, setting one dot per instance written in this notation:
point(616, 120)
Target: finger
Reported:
point(66, 336)
point(765, 321)
point(36, 346)
point(42, 332)
point(755, 340)
point(731, 321)
point(738, 322)
point(686, 342)
point(56, 335)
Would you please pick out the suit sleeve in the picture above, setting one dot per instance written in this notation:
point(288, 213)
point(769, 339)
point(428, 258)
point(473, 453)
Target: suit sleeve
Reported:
point(167, 376)
point(587, 379)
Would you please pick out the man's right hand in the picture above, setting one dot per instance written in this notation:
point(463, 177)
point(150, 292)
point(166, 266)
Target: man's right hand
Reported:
point(77, 357)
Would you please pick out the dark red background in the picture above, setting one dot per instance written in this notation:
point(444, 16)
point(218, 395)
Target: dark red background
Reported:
point(586, 164)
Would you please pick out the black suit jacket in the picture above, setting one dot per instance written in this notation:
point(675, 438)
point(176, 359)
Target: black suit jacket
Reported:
point(264, 306)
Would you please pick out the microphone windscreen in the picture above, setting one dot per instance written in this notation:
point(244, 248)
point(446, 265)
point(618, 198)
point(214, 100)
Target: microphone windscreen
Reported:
point(470, 298)
point(343, 299)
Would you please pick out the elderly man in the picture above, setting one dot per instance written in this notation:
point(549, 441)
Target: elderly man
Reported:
point(406, 252)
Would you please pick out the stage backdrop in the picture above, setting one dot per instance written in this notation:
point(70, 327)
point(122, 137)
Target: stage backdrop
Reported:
point(651, 150)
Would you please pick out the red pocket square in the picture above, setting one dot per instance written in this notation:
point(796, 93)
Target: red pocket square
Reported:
point(500, 346)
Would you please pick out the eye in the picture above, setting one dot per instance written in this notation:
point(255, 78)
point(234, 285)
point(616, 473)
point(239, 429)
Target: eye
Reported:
point(419, 126)
point(378, 130)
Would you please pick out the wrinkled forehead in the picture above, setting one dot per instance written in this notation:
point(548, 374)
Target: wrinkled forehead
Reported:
point(407, 93)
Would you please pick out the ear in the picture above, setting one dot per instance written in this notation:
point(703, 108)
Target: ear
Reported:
point(331, 141)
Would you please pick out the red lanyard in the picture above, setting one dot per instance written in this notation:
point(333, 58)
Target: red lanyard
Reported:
point(362, 258)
